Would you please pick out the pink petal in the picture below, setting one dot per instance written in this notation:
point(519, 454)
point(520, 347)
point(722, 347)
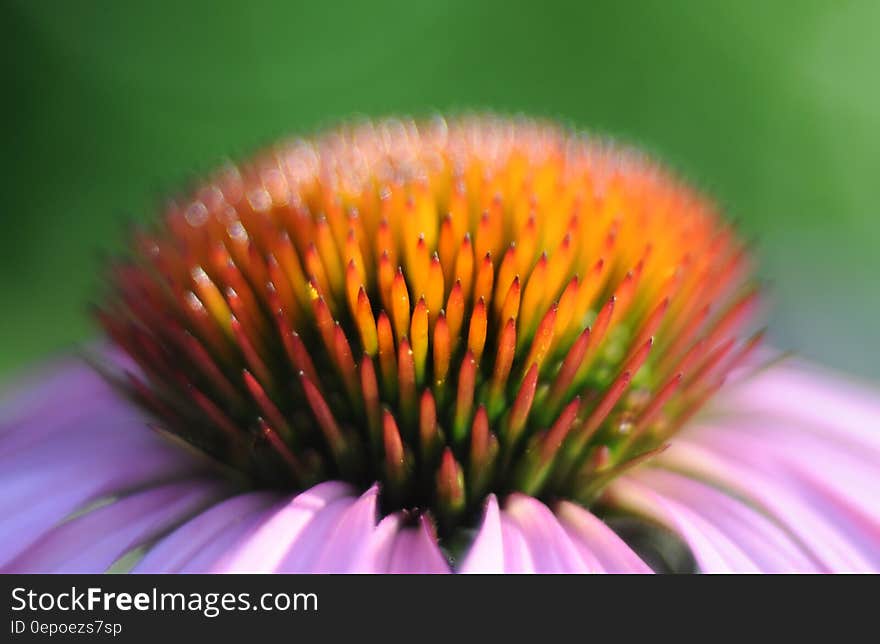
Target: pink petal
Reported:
point(584, 541)
point(375, 555)
point(784, 502)
point(761, 539)
point(215, 552)
point(597, 542)
point(349, 537)
point(265, 549)
point(92, 415)
point(712, 549)
point(185, 543)
point(551, 549)
point(49, 392)
point(517, 555)
point(92, 542)
point(812, 397)
point(416, 551)
point(486, 553)
point(69, 434)
point(40, 492)
point(801, 445)
point(58, 396)
point(811, 460)
point(782, 469)
point(306, 547)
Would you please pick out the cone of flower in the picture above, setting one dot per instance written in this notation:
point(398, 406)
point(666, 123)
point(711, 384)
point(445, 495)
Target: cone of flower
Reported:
point(432, 347)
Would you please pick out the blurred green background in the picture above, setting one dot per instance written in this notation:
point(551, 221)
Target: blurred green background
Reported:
point(773, 107)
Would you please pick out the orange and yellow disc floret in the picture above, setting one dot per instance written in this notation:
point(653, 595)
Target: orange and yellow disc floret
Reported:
point(451, 309)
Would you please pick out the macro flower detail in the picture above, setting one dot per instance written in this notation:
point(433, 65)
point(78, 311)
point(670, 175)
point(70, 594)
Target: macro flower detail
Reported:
point(433, 347)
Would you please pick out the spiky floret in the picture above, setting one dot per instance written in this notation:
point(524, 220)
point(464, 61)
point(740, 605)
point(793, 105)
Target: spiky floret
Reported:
point(451, 309)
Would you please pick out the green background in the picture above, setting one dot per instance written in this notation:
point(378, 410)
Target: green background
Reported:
point(770, 106)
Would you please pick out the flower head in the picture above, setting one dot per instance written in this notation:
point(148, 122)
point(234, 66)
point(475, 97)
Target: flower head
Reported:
point(451, 310)
point(435, 316)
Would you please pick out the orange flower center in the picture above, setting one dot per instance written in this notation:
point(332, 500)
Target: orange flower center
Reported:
point(451, 309)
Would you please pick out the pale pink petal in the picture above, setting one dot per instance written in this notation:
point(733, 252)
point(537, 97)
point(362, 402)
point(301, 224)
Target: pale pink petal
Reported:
point(306, 546)
point(813, 398)
point(92, 415)
point(265, 549)
point(761, 539)
point(782, 501)
point(349, 537)
point(93, 541)
point(597, 542)
point(783, 468)
point(40, 492)
point(49, 394)
point(486, 553)
point(416, 551)
point(517, 555)
point(813, 438)
point(552, 550)
point(712, 549)
point(215, 552)
point(846, 472)
point(375, 555)
point(584, 543)
point(839, 485)
point(174, 551)
point(60, 396)
point(69, 433)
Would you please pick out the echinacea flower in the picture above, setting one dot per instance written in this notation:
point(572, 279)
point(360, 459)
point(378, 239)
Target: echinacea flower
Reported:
point(436, 347)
